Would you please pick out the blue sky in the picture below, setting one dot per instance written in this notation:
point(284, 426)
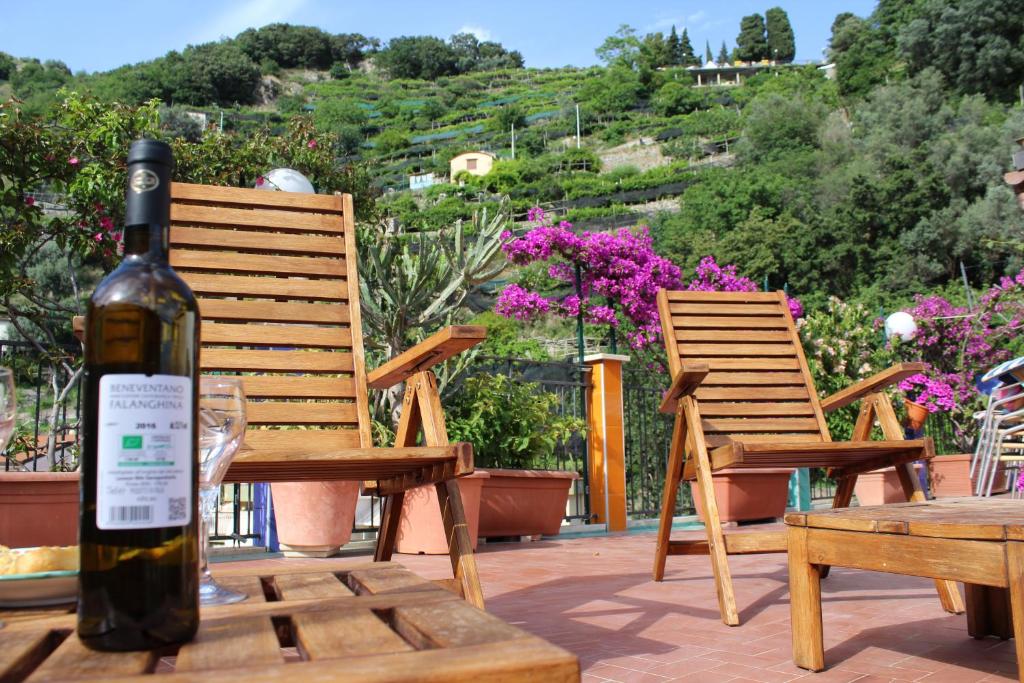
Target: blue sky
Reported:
point(96, 35)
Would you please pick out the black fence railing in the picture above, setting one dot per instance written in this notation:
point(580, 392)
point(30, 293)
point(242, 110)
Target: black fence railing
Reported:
point(36, 409)
point(648, 434)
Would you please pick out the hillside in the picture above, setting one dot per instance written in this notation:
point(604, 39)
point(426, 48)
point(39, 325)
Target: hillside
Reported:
point(879, 183)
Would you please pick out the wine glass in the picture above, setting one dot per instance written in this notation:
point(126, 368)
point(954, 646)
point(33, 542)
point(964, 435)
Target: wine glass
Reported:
point(221, 430)
point(8, 406)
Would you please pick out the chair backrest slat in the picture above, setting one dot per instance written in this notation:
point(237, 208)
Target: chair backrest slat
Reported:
point(275, 275)
point(758, 387)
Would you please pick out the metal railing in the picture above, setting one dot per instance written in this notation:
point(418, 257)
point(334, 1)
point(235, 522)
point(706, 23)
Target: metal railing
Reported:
point(648, 435)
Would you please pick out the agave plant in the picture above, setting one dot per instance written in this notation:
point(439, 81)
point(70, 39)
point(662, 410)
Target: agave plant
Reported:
point(411, 284)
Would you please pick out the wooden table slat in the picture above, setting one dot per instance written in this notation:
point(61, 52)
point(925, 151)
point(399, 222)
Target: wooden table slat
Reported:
point(325, 635)
point(308, 586)
point(72, 661)
point(230, 644)
point(452, 624)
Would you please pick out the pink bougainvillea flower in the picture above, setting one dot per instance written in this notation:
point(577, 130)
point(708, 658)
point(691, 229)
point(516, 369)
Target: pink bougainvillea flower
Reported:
point(311, 144)
point(107, 223)
point(116, 236)
point(260, 180)
point(73, 161)
point(30, 200)
point(98, 237)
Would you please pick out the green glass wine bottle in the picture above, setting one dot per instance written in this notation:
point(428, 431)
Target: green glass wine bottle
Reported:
point(138, 583)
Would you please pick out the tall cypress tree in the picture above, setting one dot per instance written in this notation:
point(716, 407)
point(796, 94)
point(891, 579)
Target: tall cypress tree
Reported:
point(752, 42)
point(674, 48)
point(686, 48)
point(708, 56)
point(723, 55)
point(781, 42)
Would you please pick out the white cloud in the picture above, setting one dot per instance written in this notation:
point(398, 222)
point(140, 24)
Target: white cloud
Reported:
point(480, 32)
point(239, 16)
point(666, 23)
point(696, 17)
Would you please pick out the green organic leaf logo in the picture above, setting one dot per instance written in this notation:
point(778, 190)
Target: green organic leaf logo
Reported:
point(131, 441)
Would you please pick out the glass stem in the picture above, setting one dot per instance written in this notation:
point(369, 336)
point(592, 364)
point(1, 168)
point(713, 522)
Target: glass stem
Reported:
point(207, 504)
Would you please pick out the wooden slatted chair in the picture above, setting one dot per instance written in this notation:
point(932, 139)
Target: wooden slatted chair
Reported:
point(276, 279)
point(743, 397)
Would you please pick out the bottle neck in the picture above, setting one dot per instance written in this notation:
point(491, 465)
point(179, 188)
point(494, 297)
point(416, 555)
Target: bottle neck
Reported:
point(147, 241)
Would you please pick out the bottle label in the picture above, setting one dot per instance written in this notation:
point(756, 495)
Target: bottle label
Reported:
point(144, 477)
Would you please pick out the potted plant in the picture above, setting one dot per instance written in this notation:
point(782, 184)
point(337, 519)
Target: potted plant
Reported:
point(924, 395)
point(514, 429)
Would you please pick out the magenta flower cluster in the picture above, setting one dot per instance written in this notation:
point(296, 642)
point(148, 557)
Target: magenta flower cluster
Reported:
point(934, 394)
point(620, 267)
point(711, 277)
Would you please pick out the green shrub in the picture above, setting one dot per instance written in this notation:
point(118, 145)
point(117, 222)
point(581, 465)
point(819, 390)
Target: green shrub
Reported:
point(510, 424)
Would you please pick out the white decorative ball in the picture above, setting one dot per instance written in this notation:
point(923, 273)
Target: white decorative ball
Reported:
point(285, 180)
point(900, 324)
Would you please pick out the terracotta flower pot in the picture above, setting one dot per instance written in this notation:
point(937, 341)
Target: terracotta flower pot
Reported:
point(420, 529)
point(880, 487)
point(950, 475)
point(916, 414)
point(38, 508)
point(746, 494)
point(314, 519)
point(523, 502)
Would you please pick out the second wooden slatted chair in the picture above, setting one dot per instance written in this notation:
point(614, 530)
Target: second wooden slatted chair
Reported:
point(743, 397)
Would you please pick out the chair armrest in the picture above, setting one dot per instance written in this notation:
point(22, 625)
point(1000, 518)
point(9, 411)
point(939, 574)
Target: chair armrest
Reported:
point(429, 352)
point(896, 373)
point(78, 326)
point(684, 383)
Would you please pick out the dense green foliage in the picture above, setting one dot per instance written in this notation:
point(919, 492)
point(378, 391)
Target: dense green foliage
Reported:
point(752, 43)
point(781, 42)
point(510, 424)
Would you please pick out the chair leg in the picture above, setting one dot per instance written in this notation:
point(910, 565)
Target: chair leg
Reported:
point(712, 522)
point(460, 546)
point(1015, 567)
point(844, 494)
point(388, 534)
point(673, 475)
point(949, 592)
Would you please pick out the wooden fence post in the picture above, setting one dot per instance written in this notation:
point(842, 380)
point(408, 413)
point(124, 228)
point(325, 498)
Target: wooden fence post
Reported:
point(606, 440)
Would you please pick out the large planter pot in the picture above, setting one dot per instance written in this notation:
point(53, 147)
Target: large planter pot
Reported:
point(950, 475)
point(881, 487)
point(523, 502)
point(314, 519)
point(420, 529)
point(38, 508)
point(747, 494)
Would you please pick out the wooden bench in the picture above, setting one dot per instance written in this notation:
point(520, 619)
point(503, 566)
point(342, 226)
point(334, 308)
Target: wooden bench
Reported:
point(979, 542)
point(373, 622)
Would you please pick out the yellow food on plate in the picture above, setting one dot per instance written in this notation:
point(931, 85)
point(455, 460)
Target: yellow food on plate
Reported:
point(50, 558)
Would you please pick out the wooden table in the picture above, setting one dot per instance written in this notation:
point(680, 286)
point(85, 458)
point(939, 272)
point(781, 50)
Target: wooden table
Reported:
point(977, 541)
point(372, 622)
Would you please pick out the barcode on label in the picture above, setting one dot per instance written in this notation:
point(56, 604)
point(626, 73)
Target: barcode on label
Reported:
point(130, 513)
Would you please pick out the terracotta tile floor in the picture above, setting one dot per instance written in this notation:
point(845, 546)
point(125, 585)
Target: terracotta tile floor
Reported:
point(594, 596)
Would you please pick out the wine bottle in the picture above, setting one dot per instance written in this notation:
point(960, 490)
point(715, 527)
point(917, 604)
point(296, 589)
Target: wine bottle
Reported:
point(138, 582)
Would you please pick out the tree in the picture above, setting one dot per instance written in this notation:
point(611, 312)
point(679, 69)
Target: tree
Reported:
point(752, 42)
point(424, 57)
point(723, 54)
point(708, 56)
point(654, 51)
point(621, 49)
point(676, 98)
point(7, 65)
point(978, 45)
point(351, 48)
point(781, 42)
point(686, 48)
point(672, 44)
point(616, 90)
